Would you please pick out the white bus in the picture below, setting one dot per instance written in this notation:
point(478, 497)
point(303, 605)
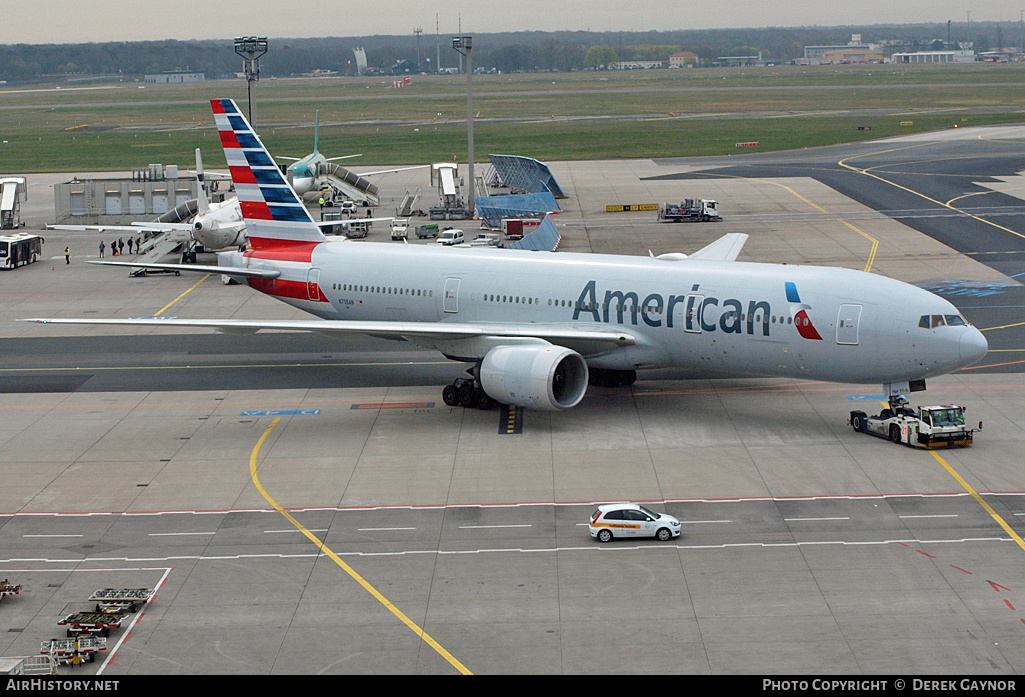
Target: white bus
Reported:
point(18, 250)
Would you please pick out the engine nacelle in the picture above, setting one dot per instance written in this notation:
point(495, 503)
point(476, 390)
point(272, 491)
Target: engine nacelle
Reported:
point(539, 376)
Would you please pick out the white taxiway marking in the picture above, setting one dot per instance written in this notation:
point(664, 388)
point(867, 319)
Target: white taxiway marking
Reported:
point(805, 519)
point(485, 527)
point(380, 529)
point(938, 515)
point(271, 532)
point(170, 534)
point(595, 547)
point(53, 535)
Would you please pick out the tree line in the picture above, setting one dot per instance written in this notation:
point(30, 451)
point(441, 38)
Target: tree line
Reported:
point(506, 52)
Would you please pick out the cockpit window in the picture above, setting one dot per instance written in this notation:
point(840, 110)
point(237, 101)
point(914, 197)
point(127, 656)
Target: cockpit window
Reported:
point(933, 321)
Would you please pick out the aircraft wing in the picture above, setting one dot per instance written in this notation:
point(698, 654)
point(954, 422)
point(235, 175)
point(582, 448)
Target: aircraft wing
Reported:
point(726, 248)
point(347, 221)
point(390, 171)
point(134, 227)
point(210, 173)
point(596, 337)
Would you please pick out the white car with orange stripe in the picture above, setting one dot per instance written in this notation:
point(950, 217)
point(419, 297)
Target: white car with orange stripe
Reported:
point(631, 520)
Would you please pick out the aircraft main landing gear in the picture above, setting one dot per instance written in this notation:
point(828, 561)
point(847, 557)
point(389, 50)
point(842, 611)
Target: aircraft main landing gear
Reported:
point(466, 393)
point(605, 377)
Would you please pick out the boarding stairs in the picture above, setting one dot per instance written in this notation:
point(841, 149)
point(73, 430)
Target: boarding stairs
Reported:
point(351, 185)
point(405, 208)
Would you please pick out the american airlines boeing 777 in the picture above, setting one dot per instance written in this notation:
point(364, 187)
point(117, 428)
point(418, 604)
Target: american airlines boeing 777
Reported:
point(537, 327)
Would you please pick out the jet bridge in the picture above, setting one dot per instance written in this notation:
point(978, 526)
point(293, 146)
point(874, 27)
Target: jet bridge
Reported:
point(13, 192)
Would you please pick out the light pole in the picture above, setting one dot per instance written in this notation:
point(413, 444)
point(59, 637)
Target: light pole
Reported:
point(461, 43)
point(418, 31)
point(251, 48)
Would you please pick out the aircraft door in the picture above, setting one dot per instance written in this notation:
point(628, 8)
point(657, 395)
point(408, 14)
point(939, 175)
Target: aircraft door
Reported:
point(847, 324)
point(312, 282)
point(450, 303)
point(692, 320)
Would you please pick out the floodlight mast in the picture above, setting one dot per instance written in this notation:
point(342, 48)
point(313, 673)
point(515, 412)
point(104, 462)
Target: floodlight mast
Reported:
point(251, 48)
point(460, 43)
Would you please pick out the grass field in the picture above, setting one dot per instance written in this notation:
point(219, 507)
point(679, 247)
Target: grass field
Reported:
point(549, 116)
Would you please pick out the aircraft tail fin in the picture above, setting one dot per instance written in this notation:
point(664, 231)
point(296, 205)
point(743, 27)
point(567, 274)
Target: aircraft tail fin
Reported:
point(275, 216)
point(316, 132)
point(202, 202)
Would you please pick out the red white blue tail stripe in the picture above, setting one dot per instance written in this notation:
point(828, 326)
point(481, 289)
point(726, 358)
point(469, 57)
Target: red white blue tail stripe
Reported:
point(274, 214)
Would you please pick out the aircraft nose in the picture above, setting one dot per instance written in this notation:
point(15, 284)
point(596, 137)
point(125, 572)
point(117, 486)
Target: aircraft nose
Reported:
point(973, 346)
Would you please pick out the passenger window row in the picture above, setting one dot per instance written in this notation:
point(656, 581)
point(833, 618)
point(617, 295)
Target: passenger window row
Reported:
point(382, 290)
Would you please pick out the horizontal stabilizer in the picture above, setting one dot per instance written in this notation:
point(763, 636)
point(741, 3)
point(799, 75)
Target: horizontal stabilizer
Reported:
point(226, 270)
point(726, 248)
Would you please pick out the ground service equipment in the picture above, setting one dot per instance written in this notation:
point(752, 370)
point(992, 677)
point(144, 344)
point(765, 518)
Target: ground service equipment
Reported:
point(28, 665)
point(20, 249)
point(120, 600)
point(13, 191)
point(941, 426)
point(690, 210)
point(428, 230)
point(8, 588)
point(74, 651)
point(91, 623)
point(399, 229)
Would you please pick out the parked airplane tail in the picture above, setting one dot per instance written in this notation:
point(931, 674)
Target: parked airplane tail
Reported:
point(202, 202)
point(274, 214)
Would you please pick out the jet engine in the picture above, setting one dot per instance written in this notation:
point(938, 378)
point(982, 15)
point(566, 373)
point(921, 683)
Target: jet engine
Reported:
point(539, 376)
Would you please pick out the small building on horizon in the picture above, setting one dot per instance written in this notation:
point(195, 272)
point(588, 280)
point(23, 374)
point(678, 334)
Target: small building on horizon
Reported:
point(682, 59)
point(174, 76)
point(935, 57)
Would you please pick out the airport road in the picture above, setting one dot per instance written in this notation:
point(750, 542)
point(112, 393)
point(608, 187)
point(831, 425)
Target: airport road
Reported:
point(307, 513)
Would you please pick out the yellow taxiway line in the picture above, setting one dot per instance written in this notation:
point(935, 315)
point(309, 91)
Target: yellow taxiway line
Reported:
point(875, 243)
point(194, 285)
point(975, 495)
point(416, 629)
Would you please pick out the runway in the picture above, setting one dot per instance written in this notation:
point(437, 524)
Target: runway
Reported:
point(310, 506)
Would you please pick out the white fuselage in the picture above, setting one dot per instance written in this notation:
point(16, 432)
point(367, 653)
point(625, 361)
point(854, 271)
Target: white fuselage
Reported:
point(221, 226)
point(721, 318)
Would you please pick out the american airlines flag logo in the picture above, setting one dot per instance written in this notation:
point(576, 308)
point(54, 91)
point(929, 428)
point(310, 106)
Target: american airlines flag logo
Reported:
point(799, 311)
point(269, 205)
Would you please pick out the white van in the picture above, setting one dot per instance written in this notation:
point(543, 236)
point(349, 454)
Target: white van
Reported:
point(450, 237)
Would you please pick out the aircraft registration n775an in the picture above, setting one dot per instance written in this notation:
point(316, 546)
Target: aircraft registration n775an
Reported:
point(537, 327)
